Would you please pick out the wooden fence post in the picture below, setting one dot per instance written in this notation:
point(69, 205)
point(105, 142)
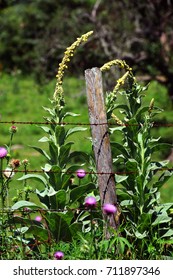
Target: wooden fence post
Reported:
point(101, 140)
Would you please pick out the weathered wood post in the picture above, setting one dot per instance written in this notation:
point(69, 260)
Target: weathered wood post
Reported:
point(100, 139)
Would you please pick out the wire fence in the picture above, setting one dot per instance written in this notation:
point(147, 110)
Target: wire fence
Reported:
point(13, 122)
point(155, 124)
point(86, 172)
point(42, 211)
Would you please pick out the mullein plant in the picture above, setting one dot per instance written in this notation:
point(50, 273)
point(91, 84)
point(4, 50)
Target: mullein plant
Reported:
point(61, 194)
point(147, 223)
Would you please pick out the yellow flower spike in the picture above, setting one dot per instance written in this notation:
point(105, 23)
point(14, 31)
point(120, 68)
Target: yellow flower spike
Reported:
point(116, 62)
point(118, 121)
point(123, 65)
point(120, 82)
point(58, 93)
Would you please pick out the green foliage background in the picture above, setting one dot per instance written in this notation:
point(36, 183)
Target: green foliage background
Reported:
point(34, 35)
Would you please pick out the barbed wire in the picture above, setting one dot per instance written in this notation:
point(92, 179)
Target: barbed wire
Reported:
point(155, 124)
point(86, 172)
point(28, 210)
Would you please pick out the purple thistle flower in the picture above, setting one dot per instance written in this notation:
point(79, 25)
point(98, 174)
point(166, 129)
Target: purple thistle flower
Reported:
point(109, 209)
point(80, 173)
point(3, 152)
point(90, 202)
point(59, 255)
point(38, 218)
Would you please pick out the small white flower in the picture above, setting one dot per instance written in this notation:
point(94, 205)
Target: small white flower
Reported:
point(8, 173)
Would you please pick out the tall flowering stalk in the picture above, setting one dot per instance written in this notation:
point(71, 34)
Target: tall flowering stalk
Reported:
point(112, 96)
point(58, 96)
point(59, 194)
point(146, 220)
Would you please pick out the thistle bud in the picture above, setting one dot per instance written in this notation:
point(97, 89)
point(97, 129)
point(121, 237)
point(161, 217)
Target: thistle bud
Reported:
point(151, 105)
point(13, 129)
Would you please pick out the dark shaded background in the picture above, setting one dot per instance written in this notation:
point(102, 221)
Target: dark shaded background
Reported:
point(34, 35)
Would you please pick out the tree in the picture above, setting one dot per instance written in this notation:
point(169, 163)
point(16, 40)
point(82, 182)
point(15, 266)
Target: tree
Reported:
point(139, 32)
point(34, 35)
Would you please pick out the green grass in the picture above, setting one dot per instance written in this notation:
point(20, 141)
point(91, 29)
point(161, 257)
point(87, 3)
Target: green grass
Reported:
point(22, 99)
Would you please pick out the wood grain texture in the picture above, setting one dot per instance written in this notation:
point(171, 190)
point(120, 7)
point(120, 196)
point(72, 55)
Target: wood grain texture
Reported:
point(100, 137)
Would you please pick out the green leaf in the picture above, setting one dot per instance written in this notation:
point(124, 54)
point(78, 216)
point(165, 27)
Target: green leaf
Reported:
point(55, 177)
point(64, 154)
point(43, 197)
point(118, 128)
point(39, 233)
point(73, 130)
point(140, 111)
point(60, 134)
point(42, 152)
point(122, 106)
point(132, 128)
point(144, 109)
point(163, 207)
point(124, 194)
point(162, 218)
point(39, 178)
point(126, 202)
point(58, 224)
point(144, 221)
point(169, 233)
point(23, 204)
point(51, 191)
point(54, 153)
point(163, 179)
point(44, 139)
point(132, 171)
point(75, 228)
point(80, 191)
point(68, 174)
point(61, 199)
point(140, 235)
point(15, 220)
point(120, 148)
point(140, 180)
point(83, 215)
point(71, 114)
point(160, 146)
point(121, 243)
point(119, 178)
point(79, 155)
point(47, 167)
point(51, 111)
point(149, 201)
point(46, 129)
point(158, 165)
